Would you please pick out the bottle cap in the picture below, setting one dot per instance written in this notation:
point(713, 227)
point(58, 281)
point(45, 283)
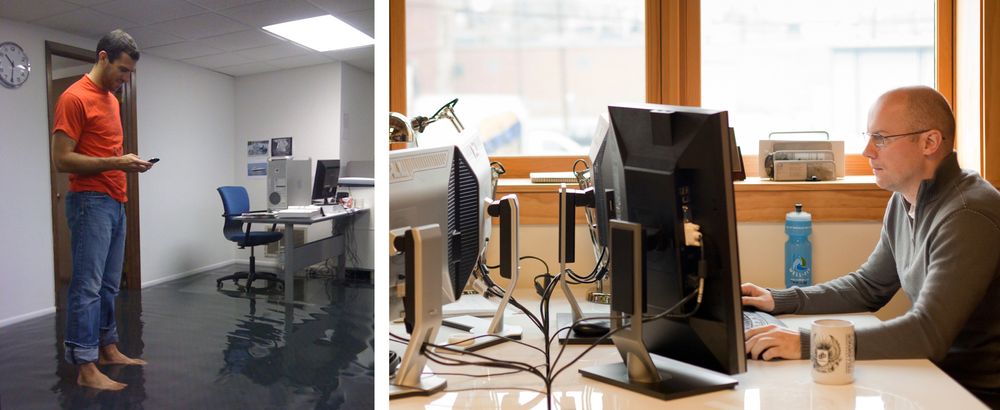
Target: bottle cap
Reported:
point(798, 215)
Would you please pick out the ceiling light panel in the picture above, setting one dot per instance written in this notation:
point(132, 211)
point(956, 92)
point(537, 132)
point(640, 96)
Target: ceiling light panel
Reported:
point(323, 33)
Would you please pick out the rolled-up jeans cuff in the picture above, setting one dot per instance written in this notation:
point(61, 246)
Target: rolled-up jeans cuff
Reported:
point(76, 354)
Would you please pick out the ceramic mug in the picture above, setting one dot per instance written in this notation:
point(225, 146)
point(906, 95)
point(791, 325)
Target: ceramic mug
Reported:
point(832, 349)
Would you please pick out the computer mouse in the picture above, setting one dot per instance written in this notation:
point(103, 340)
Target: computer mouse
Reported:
point(591, 328)
point(394, 360)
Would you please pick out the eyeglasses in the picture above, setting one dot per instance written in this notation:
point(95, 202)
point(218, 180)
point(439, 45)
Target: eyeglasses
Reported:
point(880, 141)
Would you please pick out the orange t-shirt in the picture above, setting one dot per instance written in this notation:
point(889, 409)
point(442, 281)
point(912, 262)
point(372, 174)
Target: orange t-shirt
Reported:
point(90, 115)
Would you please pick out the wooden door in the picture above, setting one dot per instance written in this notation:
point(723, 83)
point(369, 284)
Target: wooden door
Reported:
point(63, 257)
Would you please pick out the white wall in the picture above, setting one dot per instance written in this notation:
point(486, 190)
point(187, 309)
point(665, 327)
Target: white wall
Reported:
point(838, 248)
point(186, 117)
point(310, 105)
point(357, 143)
point(357, 136)
point(302, 103)
point(26, 279)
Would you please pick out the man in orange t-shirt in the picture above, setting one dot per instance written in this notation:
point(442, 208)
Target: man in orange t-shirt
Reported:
point(87, 144)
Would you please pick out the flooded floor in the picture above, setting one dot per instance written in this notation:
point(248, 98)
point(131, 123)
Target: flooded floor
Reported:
point(209, 349)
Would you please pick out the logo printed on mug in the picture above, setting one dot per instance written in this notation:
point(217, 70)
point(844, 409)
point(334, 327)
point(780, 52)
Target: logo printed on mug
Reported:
point(832, 351)
point(827, 354)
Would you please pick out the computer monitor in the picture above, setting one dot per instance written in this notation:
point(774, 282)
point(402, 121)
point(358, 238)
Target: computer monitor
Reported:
point(664, 166)
point(607, 175)
point(443, 185)
point(325, 182)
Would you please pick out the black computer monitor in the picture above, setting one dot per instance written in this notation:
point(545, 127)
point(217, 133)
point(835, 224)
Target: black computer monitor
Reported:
point(325, 182)
point(665, 165)
point(606, 172)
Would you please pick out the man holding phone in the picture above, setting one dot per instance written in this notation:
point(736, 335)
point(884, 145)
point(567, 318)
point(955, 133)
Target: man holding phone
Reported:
point(87, 143)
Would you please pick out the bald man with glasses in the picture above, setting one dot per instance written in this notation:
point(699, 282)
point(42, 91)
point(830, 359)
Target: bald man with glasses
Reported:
point(940, 243)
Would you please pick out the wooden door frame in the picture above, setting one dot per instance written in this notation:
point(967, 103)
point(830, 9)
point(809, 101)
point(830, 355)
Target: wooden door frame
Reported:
point(131, 271)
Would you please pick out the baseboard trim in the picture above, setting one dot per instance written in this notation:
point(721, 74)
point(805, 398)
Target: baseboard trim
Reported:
point(52, 309)
point(27, 316)
point(268, 263)
point(188, 273)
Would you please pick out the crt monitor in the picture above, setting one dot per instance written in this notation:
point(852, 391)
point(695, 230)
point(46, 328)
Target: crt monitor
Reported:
point(666, 165)
point(443, 185)
point(325, 182)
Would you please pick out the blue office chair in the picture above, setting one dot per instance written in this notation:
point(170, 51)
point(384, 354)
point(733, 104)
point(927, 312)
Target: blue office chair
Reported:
point(235, 202)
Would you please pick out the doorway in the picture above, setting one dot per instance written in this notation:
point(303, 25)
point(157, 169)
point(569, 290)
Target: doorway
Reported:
point(64, 65)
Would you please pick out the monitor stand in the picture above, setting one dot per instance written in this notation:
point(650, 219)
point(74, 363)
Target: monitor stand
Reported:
point(564, 319)
point(567, 242)
point(470, 305)
point(673, 379)
point(639, 370)
point(485, 332)
point(422, 246)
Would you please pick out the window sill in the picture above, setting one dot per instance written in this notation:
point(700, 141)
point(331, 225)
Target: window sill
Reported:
point(855, 198)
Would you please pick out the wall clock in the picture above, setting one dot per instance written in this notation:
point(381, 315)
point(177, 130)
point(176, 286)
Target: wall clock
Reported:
point(14, 65)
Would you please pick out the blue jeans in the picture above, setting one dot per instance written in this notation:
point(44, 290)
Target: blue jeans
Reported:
point(97, 237)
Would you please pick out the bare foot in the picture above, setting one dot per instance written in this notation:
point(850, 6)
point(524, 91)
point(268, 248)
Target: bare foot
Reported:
point(90, 376)
point(111, 355)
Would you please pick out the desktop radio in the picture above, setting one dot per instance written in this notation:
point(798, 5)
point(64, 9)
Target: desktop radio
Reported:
point(801, 160)
point(288, 182)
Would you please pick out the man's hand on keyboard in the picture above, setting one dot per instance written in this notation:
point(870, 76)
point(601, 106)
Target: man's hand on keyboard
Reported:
point(773, 342)
point(757, 297)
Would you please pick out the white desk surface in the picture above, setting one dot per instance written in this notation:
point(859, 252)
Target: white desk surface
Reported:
point(879, 384)
point(273, 219)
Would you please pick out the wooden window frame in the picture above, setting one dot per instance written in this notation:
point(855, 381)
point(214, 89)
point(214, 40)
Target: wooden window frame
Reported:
point(673, 76)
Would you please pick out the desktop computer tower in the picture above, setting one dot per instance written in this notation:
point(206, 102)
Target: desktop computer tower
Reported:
point(288, 183)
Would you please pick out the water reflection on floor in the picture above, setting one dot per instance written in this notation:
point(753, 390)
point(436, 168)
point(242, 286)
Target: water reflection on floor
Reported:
point(209, 349)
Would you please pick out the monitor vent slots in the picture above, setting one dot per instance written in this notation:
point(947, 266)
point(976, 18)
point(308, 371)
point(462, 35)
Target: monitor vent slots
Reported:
point(463, 222)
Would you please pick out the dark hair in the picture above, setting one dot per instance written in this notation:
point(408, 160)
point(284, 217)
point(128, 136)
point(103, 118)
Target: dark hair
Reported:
point(115, 43)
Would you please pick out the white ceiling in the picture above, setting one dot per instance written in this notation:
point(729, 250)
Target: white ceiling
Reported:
point(220, 35)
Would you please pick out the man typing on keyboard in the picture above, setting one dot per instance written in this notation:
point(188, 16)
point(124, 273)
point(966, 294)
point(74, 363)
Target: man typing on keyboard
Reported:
point(938, 244)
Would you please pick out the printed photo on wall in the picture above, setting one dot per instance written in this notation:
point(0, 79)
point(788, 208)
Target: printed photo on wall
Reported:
point(257, 169)
point(281, 147)
point(257, 158)
point(257, 148)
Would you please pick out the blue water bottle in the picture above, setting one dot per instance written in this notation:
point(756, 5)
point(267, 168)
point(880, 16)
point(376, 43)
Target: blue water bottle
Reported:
point(798, 249)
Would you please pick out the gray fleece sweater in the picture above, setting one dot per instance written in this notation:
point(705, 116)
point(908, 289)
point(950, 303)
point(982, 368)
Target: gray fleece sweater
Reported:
point(947, 260)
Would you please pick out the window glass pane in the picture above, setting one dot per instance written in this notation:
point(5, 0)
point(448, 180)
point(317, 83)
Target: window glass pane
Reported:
point(531, 75)
point(791, 65)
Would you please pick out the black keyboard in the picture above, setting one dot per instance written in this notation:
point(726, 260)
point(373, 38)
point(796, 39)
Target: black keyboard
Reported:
point(755, 318)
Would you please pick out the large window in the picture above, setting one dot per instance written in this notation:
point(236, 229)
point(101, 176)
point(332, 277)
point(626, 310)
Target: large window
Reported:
point(775, 65)
point(531, 76)
point(794, 65)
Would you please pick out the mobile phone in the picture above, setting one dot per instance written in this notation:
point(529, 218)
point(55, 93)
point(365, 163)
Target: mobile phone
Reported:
point(153, 160)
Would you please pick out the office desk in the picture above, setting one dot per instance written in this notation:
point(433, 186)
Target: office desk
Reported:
point(297, 257)
point(879, 384)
